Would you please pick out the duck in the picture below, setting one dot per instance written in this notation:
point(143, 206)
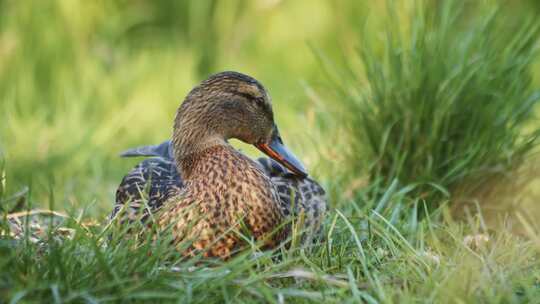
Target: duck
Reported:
point(200, 189)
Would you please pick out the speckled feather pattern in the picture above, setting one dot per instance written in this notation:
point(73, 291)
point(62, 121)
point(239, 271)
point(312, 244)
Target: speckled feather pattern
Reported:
point(226, 190)
point(298, 196)
point(144, 189)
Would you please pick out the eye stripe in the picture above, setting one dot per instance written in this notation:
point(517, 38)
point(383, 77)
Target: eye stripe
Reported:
point(243, 94)
point(261, 102)
point(248, 96)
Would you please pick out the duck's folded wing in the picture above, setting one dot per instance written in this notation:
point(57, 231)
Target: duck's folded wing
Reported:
point(146, 187)
point(298, 196)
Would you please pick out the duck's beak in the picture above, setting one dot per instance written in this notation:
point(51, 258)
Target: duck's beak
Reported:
point(279, 152)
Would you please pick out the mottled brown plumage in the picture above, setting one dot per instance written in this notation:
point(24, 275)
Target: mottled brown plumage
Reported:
point(224, 193)
point(223, 190)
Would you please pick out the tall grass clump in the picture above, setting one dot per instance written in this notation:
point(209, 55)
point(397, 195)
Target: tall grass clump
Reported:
point(448, 96)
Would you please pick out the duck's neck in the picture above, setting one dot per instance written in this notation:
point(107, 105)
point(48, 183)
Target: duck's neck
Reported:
point(196, 130)
point(205, 163)
point(190, 144)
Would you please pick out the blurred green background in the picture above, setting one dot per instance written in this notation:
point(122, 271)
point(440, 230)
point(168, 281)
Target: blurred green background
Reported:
point(82, 80)
point(408, 112)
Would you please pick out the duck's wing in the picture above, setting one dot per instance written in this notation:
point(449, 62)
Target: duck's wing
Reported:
point(298, 196)
point(163, 150)
point(148, 185)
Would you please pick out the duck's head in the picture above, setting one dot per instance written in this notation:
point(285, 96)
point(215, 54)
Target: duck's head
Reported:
point(230, 105)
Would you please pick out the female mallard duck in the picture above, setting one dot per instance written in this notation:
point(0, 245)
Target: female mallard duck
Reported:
point(204, 189)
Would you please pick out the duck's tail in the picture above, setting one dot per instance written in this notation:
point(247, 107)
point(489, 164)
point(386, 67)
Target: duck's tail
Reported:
point(162, 150)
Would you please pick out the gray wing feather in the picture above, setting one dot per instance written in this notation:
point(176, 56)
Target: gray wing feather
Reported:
point(163, 150)
point(298, 195)
point(145, 188)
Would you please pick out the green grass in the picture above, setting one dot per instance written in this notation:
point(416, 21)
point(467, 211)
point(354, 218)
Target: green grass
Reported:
point(81, 81)
point(449, 101)
point(366, 257)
